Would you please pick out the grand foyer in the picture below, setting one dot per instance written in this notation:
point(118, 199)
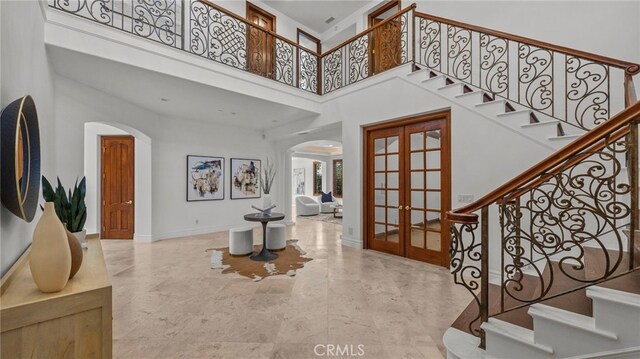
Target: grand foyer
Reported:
point(543, 199)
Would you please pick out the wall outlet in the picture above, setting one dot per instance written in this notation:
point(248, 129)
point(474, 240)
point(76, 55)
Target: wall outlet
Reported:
point(465, 198)
point(197, 221)
point(350, 231)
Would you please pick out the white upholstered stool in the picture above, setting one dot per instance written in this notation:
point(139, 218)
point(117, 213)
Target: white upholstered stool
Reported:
point(275, 237)
point(241, 241)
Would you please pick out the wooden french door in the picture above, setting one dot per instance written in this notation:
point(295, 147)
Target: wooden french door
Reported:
point(260, 45)
point(117, 187)
point(385, 41)
point(408, 189)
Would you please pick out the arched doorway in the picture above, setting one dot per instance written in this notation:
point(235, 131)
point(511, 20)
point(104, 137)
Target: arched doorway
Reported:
point(142, 184)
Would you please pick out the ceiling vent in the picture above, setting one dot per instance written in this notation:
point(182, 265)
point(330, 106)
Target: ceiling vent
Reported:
point(329, 20)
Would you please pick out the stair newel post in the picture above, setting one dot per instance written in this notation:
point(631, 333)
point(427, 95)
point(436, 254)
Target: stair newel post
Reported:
point(484, 268)
point(633, 182)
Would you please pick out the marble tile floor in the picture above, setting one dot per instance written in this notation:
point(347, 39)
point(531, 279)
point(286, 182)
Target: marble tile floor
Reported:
point(168, 303)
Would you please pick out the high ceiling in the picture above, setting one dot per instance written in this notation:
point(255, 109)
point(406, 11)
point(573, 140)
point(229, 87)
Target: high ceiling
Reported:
point(322, 147)
point(314, 13)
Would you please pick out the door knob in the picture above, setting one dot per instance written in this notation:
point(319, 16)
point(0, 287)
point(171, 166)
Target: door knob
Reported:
point(129, 202)
point(407, 208)
point(400, 208)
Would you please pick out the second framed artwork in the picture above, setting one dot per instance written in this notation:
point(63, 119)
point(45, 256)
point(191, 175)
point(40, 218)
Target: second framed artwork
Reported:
point(205, 178)
point(245, 178)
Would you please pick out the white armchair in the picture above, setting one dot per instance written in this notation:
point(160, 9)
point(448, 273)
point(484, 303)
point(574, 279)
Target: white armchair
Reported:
point(325, 207)
point(307, 206)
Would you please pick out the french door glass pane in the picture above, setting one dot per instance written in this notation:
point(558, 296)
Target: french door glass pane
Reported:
point(378, 146)
point(393, 180)
point(433, 159)
point(392, 144)
point(417, 180)
point(433, 180)
point(433, 241)
point(393, 162)
point(379, 163)
point(380, 180)
point(417, 199)
point(417, 141)
point(392, 198)
point(393, 216)
point(434, 200)
point(379, 198)
point(379, 215)
point(433, 139)
point(417, 160)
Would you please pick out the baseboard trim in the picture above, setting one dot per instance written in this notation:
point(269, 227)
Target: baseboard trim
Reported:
point(143, 238)
point(199, 231)
point(351, 242)
point(93, 236)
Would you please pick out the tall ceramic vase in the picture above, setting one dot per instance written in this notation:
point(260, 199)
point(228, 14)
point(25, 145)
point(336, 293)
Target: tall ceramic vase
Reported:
point(266, 202)
point(50, 257)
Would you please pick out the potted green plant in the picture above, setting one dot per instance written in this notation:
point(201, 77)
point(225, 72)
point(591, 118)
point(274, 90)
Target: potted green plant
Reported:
point(71, 209)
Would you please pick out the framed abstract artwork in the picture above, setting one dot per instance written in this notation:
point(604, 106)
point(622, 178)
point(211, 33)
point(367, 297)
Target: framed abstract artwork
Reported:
point(298, 180)
point(205, 178)
point(245, 178)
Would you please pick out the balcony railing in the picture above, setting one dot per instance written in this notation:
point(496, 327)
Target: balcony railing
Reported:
point(576, 87)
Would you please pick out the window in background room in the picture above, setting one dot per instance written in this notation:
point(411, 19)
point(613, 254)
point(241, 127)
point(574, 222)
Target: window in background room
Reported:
point(317, 178)
point(337, 178)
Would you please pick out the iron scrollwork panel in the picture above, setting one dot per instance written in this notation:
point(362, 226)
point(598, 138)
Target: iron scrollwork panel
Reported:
point(459, 52)
point(535, 78)
point(359, 59)
point(466, 257)
point(155, 20)
point(430, 44)
point(284, 62)
point(494, 64)
point(583, 207)
point(332, 65)
point(308, 63)
point(587, 92)
point(96, 10)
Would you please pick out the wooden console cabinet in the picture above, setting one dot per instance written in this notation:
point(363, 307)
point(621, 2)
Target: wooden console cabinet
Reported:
point(73, 323)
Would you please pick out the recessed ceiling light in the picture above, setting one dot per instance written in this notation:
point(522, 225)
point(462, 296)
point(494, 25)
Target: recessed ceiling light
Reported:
point(329, 20)
point(219, 110)
point(164, 99)
point(303, 133)
point(233, 113)
point(274, 121)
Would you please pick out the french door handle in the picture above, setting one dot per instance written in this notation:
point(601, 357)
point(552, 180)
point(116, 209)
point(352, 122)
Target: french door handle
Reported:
point(400, 208)
point(129, 202)
point(407, 208)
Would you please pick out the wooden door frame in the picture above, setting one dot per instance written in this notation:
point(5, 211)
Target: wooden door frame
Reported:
point(255, 8)
point(101, 179)
point(335, 179)
point(445, 115)
point(315, 180)
point(310, 37)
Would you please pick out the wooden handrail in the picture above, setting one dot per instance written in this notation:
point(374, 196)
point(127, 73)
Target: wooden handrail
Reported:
point(372, 28)
point(466, 214)
point(630, 68)
point(239, 18)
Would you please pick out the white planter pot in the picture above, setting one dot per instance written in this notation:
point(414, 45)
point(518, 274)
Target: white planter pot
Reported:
point(82, 238)
point(266, 202)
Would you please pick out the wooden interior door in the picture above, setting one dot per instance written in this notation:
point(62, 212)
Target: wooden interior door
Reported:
point(407, 189)
point(117, 187)
point(427, 192)
point(261, 45)
point(385, 199)
point(385, 41)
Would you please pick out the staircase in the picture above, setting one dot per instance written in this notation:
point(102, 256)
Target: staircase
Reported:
point(531, 123)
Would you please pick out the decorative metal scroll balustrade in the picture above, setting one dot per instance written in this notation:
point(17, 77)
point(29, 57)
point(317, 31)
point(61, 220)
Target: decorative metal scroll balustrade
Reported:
point(578, 88)
point(380, 48)
point(581, 89)
point(569, 219)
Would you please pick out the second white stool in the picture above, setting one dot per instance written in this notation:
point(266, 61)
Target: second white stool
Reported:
point(275, 237)
point(241, 241)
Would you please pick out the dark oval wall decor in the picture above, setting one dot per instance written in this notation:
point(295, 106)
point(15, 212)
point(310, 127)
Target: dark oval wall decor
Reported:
point(20, 158)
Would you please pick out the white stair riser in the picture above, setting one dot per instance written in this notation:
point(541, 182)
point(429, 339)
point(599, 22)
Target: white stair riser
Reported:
point(501, 347)
point(491, 108)
point(569, 341)
point(515, 119)
point(470, 99)
point(451, 91)
point(621, 319)
point(434, 83)
point(542, 130)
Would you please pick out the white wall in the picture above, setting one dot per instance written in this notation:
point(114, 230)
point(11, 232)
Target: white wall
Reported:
point(25, 70)
point(285, 26)
point(476, 142)
point(172, 140)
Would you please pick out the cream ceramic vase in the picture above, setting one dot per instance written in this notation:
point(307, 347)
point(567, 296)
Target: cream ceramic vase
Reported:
point(50, 257)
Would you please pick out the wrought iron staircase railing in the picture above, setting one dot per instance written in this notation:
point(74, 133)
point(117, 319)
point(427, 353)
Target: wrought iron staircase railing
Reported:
point(576, 87)
point(549, 222)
